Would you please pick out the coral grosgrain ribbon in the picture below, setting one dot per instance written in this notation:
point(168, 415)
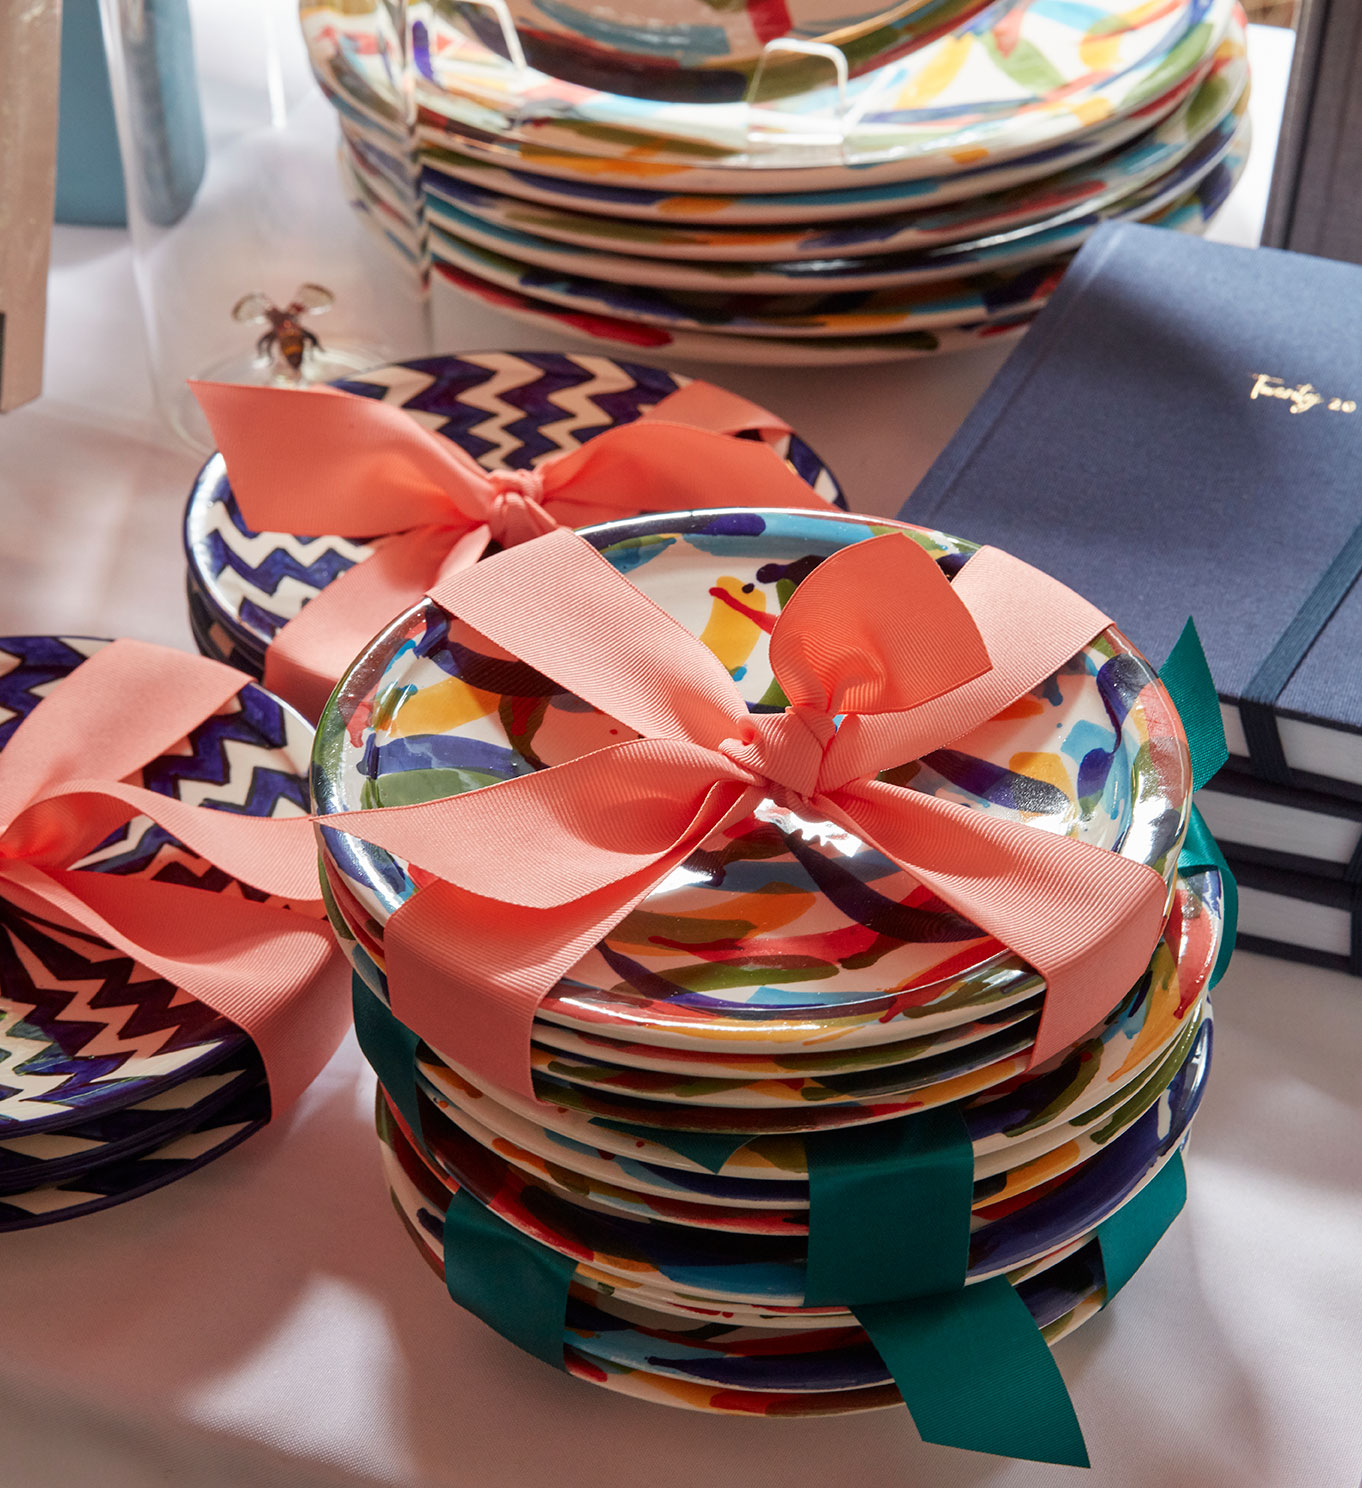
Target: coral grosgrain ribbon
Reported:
point(882, 659)
point(269, 970)
point(321, 460)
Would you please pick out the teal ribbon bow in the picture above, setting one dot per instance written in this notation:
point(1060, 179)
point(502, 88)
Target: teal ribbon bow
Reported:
point(1187, 677)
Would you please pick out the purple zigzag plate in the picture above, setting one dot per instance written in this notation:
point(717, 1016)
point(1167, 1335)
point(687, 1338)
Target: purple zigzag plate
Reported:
point(506, 409)
point(31, 1160)
point(129, 1177)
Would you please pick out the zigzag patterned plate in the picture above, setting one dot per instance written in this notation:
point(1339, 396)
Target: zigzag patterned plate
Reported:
point(505, 409)
point(128, 1178)
point(40, 1159)
point(83, 1030)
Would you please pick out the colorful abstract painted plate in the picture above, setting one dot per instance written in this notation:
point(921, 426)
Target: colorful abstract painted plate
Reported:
point(447, 1130)
point(838, 1060)
point(747, 1268)
point(357, 52)
point(1176, 977)
point(930, 1080)
point(505, 409)
point(116, 1182)
point(685, 50)
point(404, 236)
point(507, 169)
point(625, 336)
point(630, 1300)
point(742, 1365)
point(965, 301)
point(573, 1150)
point(84, 1031)
point(402, 230)
point(625, 1336)
point(756, 1359)
point(1084, 1088)
point(384, 159)
point(916, 222)
point(1010, 81)
point(611, 1090)
point(1092, 1091)
point(751, 1359)
point(793, 959)
point(1162, 202)
point(427, 1174)
point(775, 1319)
point(595, 1170)
point(784, 1112)
point(696, 51)
point(977, 285)
point(396, 200)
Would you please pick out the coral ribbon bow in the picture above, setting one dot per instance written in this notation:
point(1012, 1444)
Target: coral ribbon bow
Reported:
point(882, 660)
point(268, 969)
point(322, 461)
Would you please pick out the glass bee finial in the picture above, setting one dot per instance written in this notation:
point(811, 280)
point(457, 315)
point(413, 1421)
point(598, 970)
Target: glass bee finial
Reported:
point(287, 342)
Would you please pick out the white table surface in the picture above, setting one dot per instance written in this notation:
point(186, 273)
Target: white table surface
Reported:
point(267, 1322)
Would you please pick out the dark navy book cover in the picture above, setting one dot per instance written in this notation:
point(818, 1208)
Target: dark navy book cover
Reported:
point(1181, 433)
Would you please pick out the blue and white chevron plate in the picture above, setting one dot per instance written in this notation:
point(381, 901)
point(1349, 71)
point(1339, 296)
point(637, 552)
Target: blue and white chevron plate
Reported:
point(84, 1031)
point(508, 410)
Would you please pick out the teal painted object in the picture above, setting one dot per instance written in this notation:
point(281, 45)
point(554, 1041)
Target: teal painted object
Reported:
point(164, 116)
point(89, 172)
point(165, 119)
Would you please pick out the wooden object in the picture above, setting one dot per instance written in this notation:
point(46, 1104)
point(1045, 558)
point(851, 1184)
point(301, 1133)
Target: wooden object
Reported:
point(30, 50)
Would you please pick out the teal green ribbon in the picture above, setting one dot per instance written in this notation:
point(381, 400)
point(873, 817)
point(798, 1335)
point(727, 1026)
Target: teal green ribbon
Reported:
point(708, 1150)
point(889, 1203)
point(889, 1209)
point(1187, 677)
point(515, 1284)
point(1201, 852)
point(1128, 1236)
point(975, 1372)
point(511, 1281)
point(390, 1047)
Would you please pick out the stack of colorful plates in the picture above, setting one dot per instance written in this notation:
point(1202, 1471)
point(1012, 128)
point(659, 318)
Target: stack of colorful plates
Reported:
point(784, 981)
point(928, 205)
point(508, 410)
point(113, 1081)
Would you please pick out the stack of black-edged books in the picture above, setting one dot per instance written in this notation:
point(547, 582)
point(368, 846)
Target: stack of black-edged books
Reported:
point(1181, 433)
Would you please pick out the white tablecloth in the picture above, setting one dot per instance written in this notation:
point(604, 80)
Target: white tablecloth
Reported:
point(267, 1322)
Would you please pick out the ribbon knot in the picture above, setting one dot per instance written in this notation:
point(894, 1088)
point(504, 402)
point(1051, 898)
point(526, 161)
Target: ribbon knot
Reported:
point(785, 753)
point(319, 460)
point(883, 660)
point(515, 513)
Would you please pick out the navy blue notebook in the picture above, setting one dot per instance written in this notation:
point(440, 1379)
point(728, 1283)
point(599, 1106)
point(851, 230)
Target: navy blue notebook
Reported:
point(1180, 433)
point(1292, 830)
point(1317, 921)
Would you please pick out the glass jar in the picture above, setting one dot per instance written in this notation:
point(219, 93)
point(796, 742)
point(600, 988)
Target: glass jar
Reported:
point(257, 257)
